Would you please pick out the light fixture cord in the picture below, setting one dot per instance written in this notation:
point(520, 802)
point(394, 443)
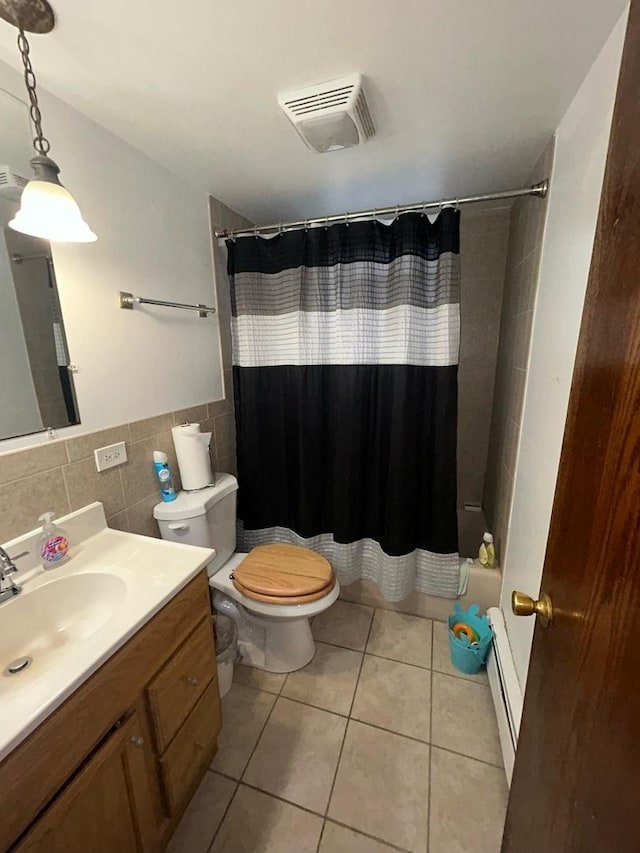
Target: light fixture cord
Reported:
point(40, 141)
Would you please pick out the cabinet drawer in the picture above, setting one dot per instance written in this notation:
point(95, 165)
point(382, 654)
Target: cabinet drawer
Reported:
point(192, 750)
point(181, 682)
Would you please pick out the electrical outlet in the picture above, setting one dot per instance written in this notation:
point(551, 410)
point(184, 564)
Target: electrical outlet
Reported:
point(110, 456)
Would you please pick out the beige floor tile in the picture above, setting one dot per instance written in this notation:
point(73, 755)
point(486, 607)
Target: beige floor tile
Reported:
point(382, 786)
point(258, 823)
point(244, 713)
point(463, 718)
point(297, 755)
point(394, 695)
point(250, 676)
point(339, 839)
point(401, 637)
point(442, 656)
point(329, 681)
point(195, 831)
point(467, 818)
point(344, 624)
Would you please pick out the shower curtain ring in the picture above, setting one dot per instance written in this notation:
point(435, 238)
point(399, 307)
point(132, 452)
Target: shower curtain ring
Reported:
point(346, 219)
point(280, 228)
point(397, 210)
point(306, 225)
point(326, 222)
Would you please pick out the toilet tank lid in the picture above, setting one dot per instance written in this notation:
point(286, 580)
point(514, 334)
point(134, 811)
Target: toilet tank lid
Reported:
point(193, 504)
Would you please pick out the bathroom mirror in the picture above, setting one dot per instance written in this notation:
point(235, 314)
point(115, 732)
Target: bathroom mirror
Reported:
point(37, 385)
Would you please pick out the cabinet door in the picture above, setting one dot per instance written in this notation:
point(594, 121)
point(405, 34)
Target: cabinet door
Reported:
point(99, 810)
point(143, 781)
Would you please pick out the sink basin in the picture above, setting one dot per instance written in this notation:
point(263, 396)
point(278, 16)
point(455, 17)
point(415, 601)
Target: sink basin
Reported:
point(39, 623)
point(67, 622)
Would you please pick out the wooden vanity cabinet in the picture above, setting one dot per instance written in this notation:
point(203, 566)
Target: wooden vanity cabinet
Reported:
point(106, 807)
point(140, 734)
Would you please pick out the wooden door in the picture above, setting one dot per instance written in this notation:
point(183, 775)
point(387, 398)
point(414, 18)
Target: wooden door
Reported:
point(107, 807)
point(576, 784)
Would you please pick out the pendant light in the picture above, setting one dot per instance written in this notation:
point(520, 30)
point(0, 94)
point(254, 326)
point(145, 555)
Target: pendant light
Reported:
point(47, 208)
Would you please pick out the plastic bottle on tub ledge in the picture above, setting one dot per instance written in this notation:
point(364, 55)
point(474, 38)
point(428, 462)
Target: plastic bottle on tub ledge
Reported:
point(487, 551)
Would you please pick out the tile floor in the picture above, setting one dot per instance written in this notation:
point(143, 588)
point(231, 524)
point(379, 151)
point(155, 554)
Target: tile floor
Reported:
point(379, 744)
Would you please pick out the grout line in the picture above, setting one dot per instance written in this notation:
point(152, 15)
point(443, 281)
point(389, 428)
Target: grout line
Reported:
point(223, 818)
point(255, 746)
point(382, 729)
point(469, 757)
point(390, 731)
point(66, 486)
point(430, 747)
point(346, 728)
point(367, 835)
point(319, 844)
point(374, 655)
point(282, 799)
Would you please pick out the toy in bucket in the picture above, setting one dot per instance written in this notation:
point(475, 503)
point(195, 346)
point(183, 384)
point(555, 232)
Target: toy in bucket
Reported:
point(470, 638)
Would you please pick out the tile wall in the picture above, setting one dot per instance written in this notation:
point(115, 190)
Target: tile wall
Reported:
point(484, 235)
point(221, 216)
point(61, 476)
point(521, 281)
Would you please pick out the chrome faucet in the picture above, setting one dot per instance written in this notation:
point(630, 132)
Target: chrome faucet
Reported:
point(8, 568)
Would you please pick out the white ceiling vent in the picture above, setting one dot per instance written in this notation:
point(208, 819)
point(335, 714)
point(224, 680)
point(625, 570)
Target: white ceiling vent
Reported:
point(331, 115)
point(11, 185)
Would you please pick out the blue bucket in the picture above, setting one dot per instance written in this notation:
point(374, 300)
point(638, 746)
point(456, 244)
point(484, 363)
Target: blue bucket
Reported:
point(467, 656)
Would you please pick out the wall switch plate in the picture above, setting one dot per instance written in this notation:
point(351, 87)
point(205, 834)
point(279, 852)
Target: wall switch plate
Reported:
point(110, 456)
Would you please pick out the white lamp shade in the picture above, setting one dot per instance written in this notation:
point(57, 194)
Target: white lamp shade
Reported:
point(48, 210)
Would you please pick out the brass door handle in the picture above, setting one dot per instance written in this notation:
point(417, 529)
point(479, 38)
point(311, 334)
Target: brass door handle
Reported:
point(524, 605)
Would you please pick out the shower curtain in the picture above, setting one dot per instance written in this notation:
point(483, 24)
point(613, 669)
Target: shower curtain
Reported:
point(345, 351)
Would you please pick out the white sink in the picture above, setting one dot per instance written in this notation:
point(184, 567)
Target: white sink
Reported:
point(41, 623)
point(69, 620)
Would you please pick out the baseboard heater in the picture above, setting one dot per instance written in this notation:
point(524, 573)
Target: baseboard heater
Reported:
point(505, 689)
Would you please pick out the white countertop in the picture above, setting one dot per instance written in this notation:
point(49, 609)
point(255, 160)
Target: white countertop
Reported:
point(138, 575)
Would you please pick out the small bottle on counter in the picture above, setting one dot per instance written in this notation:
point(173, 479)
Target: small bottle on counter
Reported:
point(54, 542)
point(487, 552)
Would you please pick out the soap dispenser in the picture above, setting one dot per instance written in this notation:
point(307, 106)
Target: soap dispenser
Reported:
point(54, 542)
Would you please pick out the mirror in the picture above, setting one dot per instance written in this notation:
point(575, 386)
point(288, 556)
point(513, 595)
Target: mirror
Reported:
point(36, 382)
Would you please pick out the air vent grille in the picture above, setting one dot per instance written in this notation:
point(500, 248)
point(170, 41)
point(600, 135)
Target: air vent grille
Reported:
point(341, 102)
point(320, 101)
point(11, 184)
point(362, 109)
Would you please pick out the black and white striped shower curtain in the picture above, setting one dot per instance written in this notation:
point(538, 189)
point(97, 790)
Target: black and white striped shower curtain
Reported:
point(345, 347)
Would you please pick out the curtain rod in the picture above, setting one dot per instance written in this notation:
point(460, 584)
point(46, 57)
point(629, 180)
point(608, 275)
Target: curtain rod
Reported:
point(540, 189)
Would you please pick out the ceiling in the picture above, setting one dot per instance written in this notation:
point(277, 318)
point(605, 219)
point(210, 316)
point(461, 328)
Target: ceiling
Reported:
point(464, 94)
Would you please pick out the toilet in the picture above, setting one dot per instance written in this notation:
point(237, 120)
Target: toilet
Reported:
point(271, 593)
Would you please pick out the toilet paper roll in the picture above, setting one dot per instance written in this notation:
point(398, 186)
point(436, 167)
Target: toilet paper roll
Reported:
point(192, 450)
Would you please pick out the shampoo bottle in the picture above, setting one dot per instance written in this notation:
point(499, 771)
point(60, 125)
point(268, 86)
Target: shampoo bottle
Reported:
point(163, 473)
point(487, 553)
point(54, 542)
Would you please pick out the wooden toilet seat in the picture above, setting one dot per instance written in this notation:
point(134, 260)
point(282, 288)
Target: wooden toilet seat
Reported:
point(284, 574)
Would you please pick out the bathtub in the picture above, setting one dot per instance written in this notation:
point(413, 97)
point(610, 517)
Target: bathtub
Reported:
point(483, 588)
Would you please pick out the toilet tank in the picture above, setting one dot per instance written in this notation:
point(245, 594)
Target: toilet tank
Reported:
point(206, 517)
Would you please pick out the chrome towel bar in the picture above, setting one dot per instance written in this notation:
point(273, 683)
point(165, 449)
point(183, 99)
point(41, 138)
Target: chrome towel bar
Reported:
point(128, 300)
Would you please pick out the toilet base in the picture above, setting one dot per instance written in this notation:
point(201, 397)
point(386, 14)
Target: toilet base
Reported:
point(275, 645)
point(287, 646)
